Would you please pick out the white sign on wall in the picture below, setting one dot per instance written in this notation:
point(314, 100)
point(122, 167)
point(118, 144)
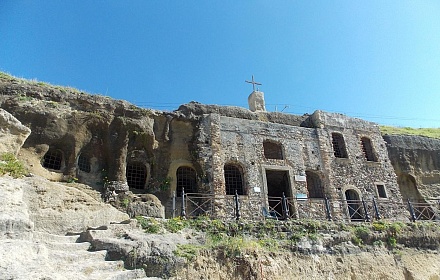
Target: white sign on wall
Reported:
point(257, 189)
point(300, 178)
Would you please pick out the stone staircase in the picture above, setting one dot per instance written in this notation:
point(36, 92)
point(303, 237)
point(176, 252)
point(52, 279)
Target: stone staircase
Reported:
point(68, 259)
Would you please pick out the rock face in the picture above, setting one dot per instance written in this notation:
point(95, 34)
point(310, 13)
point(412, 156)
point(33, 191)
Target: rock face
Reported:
point(12, 133)
point(15, 222)
point(416, 161)
point(58, 208)
point(409, 264)
point(146, 205)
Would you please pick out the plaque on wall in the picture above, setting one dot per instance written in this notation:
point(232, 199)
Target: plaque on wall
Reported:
point(257, 189)
point(300, 178)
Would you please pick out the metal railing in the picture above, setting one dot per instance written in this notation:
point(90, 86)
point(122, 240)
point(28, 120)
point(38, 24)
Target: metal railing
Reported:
point(229, 207)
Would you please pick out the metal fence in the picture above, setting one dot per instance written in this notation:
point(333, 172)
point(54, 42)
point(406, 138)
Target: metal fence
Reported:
point(229, 207)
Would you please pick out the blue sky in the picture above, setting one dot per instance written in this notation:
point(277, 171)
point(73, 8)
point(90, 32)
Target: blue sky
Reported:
point(377, 60)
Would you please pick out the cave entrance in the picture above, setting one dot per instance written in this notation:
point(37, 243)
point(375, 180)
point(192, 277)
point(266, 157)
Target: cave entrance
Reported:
point(277, 182)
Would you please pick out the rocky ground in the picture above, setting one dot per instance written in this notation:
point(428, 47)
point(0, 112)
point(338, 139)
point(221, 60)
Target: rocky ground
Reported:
point(40, 222)
point(57, 231)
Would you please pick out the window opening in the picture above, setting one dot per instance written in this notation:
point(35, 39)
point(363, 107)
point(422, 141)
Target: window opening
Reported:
point(136, 174)
point(381, 191)
point(314, 185)
point(233, 180)
point(52, 159)
point(272, 150)
point(339, 146)
point(84, 163)
point(186, 179)
point(367, 149)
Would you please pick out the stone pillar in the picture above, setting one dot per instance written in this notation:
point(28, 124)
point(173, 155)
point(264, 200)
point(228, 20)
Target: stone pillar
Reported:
point(217, 164)
point(256, 101)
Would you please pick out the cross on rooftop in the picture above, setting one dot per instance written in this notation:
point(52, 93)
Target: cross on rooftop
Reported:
point(253, 83)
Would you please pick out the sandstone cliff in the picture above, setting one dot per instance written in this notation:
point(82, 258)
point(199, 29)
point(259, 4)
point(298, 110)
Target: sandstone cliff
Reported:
point(37, 211)
point(416, 161)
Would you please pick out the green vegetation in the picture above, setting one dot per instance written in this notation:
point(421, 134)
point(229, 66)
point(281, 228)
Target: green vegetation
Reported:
point(175, 224)
point(150, 225)
point(6, 76)
point(361, 233)
point(125, 202)
point(9, 164)
point(159, 184)
point(236, 239)
point(428, 132)
point(187, 251)
point(72, 179)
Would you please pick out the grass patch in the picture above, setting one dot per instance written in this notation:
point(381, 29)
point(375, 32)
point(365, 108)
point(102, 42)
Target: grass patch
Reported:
point(428, 132)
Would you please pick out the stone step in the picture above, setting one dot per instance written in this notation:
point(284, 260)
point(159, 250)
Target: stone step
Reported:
point(48, 237)
point(69, 247)
point(127, 275)
point(88, 270)
point(103, 266)
point(149, 278)
point(77, 256)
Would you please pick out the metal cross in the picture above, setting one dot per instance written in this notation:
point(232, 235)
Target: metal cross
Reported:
point(253, 83)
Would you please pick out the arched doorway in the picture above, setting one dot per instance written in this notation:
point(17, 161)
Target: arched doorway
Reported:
point(354, 205)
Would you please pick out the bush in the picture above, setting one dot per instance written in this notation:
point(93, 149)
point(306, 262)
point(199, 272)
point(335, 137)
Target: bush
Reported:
point(150, 225)
point(175, 224)
point(10, 165)
point(187, 251)
point(380, 226)
point(392, 241)
point(361, 234)
point(395, 228)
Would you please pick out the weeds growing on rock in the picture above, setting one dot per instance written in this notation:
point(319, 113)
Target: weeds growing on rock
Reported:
point(175, 224)
point(187, 251)
point(9, 164)
point(150, 225)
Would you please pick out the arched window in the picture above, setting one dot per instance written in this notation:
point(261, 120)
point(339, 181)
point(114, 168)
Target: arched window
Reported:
point(186, 180)
point(53, 159)
point(84, 163)
point(233, 180)
point(367, 149)
point(272, 150)
point(314, 185)
point(339, 145)
point(136, 174)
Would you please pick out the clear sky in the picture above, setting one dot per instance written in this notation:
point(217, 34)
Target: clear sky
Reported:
point(377, 60)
